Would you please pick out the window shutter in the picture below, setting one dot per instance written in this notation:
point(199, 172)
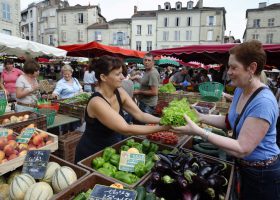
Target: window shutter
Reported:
point(114, 38)
point(214, 21)
point(124, 38)
point(207, 20)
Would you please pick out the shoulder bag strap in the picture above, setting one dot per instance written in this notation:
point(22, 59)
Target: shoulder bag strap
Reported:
point(234, 135)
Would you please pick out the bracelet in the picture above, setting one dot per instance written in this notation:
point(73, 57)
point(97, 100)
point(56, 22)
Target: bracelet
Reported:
point(206, 134)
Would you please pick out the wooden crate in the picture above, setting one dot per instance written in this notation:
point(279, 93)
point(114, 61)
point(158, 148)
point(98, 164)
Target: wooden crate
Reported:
point(40, 121)
point(86, 163)
point(82, 186)
point(17, 162)
point(228, 174)
point(67, 145)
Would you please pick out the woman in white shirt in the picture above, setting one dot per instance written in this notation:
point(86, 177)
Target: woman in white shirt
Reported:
point(89, 80)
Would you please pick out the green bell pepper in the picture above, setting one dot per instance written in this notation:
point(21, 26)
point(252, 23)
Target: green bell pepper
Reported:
point(124, 148)
point(140, 169)
point(110, 167)
point(138, 146)
point(130, 142)
point(108, 152)
point(149, 165)
point(153, 147)
point(106, 171)
point(97, 162)
point(146, 145)
point(115, 159)
point(126, 177)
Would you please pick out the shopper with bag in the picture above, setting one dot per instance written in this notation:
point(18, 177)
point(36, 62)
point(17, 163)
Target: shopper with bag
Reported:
point(252, 116)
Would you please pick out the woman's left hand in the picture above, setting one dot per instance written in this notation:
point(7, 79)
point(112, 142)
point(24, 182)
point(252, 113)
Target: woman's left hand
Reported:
point(190, 129)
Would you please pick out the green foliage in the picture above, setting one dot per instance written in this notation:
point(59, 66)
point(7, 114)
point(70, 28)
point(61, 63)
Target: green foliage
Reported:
point(174, 113)
point(167, 88)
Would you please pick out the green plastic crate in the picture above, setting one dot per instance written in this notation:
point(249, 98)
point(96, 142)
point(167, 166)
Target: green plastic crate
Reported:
point(49, 113)
point(3, 105)
point(211, 91)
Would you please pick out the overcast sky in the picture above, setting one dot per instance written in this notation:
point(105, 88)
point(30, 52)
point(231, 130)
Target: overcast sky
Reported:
point(111, 9)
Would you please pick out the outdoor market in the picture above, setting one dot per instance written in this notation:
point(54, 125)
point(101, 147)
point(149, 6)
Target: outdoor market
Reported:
point(91, 121)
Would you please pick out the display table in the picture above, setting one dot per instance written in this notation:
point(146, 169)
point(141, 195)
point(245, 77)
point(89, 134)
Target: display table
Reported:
point(62, 120)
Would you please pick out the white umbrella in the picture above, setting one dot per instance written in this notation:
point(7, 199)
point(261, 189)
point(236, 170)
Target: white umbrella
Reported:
point(20, 47)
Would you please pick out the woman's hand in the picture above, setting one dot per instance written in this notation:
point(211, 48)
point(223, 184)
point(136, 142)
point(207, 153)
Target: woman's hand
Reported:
point(190, 129)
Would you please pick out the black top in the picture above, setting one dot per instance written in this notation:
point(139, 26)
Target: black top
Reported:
point(97, 136)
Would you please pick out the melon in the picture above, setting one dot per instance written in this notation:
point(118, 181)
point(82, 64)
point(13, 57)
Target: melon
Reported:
point(13, 175)
point(41, 190)
point(51, 168)
point(19, 186)
point(62, 178)
point(4, 191)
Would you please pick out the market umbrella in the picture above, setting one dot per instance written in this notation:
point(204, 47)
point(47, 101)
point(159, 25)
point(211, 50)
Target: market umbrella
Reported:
point(95, 49)
point(167, 62)
point(20, 47)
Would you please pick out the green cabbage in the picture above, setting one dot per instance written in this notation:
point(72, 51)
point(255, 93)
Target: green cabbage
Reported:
point(167, 88)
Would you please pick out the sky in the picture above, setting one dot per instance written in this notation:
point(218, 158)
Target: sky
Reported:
point(112, 9)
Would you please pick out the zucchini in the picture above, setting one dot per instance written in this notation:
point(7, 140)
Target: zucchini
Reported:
point(150, 196)
point(80, 196)
point(218, 132)
point(207, 145)
point(141, 193)
point(197, 140)
point(206, 151)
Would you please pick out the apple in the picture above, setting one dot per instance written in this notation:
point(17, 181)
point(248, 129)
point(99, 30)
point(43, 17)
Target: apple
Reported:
point(9, 150)
point(11, 137)
point(22, 147)
point(41, 145)
point(37, 140)
point(12, 156)
point(31, 147)
point(3, 142)
point(44, 135)
point(22, 153)
point(13, 143)
point(2, 155)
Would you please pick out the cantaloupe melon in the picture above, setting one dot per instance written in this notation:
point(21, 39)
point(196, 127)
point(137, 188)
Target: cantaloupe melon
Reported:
point(19, 186)
point(40, 191)
point(62, 178)
point(52, 166)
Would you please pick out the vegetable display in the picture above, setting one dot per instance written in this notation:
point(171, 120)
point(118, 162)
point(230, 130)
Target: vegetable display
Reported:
point(183, 176)
point(174, 113)
point(166, 137)
point(167, 88)
point(78, 98)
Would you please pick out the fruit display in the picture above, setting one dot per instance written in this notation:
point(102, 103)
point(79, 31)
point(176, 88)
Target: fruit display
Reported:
point(21, 186)
point(15, 119)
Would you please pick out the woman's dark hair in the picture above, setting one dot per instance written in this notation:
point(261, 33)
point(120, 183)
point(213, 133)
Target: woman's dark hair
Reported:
point(92, 64)
point(124, 70)
point(8, 61)
point(31, 66)
point(105, 64)
point(248, 52)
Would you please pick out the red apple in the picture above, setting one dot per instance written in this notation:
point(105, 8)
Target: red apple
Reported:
point(44, 135)
point(2, 155)
point(9, 150)
point(12, 156)
point(22, 153)
point(13, 143)
point(37, 140)
point(11, 137)
point(3, 142)
point(41, 145)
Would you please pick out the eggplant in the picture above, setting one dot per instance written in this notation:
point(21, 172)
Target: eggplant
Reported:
point(176, 172)
point(165, 159)
point(199, 183)
point(188, 174)
point(219, 167)
point(217, 181)
point(161, 166)
point(155, 177)
point(186, 195)
point(195, 168)
point(196, 197)
point(182, 182)
point(151, 187)
point(204, 171)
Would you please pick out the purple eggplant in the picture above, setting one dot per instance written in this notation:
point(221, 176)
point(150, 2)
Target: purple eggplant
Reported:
point(151, 187)
point(182, 182)
point(204, 171)
point(195, 167)
point(186, 195)
point(217, 181)
point(197, 196)
point(161, 166)
point(155, 177)
point(165, 159)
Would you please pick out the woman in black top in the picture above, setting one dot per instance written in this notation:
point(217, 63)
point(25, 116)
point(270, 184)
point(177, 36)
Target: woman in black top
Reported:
point(104, 115)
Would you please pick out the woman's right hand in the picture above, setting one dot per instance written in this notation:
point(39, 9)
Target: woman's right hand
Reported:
point(190, 129)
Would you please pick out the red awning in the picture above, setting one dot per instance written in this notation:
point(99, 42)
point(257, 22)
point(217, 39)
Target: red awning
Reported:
point(95, 49)
point(211, 54)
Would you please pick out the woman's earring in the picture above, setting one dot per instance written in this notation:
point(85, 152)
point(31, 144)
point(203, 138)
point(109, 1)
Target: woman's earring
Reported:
point(251, 78)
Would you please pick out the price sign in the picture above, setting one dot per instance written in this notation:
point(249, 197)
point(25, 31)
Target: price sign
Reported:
point(3, 132)
point(129, 160)
point(26, 135)
point(102, 192)
point(35, 163)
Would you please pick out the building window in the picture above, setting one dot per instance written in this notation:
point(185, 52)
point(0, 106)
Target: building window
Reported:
point(189, 21)
point(150, 29)
point(210, 35)
point(256, 23)
point(269, 38)
point(177, 35)
point(255, 36)
point(31, 14)
point(165, 22)
point(271, 22)
point(165, 35)
point(138, 45)
point(138, 29)
point(7, 32)
point(6, 11)
point(63, 19)
point(177, 22)
point(97, 36)
point(64, 37)
point(211, 20)
point(188, 35)
point(80, 35)
point(51, 41)
point(120, 38)
point(31, 28)
point(80, 18)
point(149, 45)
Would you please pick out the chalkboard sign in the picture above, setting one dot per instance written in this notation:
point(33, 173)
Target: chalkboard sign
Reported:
point(102, 192)
point(3, 132)
point(26, 135)
point(3, 95)
point(129, 160)
point(35, 163)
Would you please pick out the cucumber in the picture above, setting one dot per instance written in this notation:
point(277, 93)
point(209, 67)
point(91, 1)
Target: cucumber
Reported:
point(141, 193)
point(207, 145)
point(197, 140)
point(80, 196)
point(206, 151)
point(150, 196)
point(218, 132)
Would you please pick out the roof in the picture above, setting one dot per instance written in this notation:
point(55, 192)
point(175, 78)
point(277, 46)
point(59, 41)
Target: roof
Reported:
point(275, 6)
point(120, 20)
point(98, 26)
point(147, 13)
point(78, 6)
point(193, 9)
